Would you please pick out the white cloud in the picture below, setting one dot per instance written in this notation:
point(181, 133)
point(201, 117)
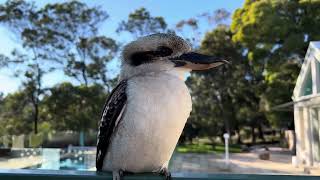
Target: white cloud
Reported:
point(8, 85)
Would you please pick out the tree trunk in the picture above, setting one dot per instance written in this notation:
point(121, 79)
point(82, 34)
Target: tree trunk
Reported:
point(253, 140)
point(261, 135)
point(221, 138)
point(239, 137)
point(36, 99)
point(36, 118)
point(35, 105)
point(84, 76)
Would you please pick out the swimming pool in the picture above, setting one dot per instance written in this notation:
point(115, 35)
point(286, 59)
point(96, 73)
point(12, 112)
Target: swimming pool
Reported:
point(82, 159)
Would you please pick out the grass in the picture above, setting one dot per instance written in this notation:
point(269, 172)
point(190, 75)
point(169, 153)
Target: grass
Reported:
point(206, 148)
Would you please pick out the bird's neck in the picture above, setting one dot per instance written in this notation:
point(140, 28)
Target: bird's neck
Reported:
point(181, 73)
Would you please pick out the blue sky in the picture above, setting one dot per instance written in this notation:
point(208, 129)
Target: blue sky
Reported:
point(172, 11)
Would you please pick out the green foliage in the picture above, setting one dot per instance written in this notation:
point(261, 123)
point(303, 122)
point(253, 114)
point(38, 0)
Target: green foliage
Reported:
point(60, 35)
point(77, 108)
point(65, 107)
point(219, 93)
point(141, 23)
point(16, 114)
point(266, 44)
point(36, 140)
point(268, 23)
point(73, 28)
point(276, 35)
point(45, 127)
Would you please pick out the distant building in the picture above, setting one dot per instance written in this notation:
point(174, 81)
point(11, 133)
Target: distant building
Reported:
point(306, 100)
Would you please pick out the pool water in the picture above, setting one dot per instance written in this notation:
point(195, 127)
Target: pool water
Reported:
point(61, 159)
point(73, 164)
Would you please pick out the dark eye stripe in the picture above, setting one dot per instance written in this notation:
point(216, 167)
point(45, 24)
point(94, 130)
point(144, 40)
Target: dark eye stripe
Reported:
point(139, 58)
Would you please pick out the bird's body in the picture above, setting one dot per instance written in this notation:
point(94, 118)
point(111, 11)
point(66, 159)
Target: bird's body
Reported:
point(158, 105)
point(145, 114)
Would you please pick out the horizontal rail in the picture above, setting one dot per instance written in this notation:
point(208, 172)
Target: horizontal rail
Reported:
point(23, 174)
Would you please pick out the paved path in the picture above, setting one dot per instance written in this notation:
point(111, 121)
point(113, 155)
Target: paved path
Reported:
point(20, 163)
point(247, 163)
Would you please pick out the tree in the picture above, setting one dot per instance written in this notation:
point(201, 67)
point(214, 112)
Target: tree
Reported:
point(16, 114)
point(56, 36)
point(20, 18)
point(141, 23)
point(189, 28)
point(217, 94)
point(276, 35)
point(74, 26)
point(69, 107)
point(33, 90)
point(2, 129)
point(233, 98)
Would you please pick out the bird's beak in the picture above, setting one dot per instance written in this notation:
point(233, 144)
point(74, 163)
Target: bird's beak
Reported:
point(196, 61)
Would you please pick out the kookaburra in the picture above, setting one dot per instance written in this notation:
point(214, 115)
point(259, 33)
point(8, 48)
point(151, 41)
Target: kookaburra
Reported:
point(145, 113)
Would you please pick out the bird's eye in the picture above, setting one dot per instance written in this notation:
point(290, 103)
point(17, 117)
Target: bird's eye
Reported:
point(163, 51)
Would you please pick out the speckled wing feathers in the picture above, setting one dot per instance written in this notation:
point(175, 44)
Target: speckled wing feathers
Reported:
point(111, 112)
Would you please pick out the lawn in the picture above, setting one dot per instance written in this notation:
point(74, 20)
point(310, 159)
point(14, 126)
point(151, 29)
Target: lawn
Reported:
point(206, 148)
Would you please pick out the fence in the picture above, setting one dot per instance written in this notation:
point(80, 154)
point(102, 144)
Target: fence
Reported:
point(86, 175)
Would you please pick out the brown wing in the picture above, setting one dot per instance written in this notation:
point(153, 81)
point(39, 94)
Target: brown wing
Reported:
point(111, 112)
